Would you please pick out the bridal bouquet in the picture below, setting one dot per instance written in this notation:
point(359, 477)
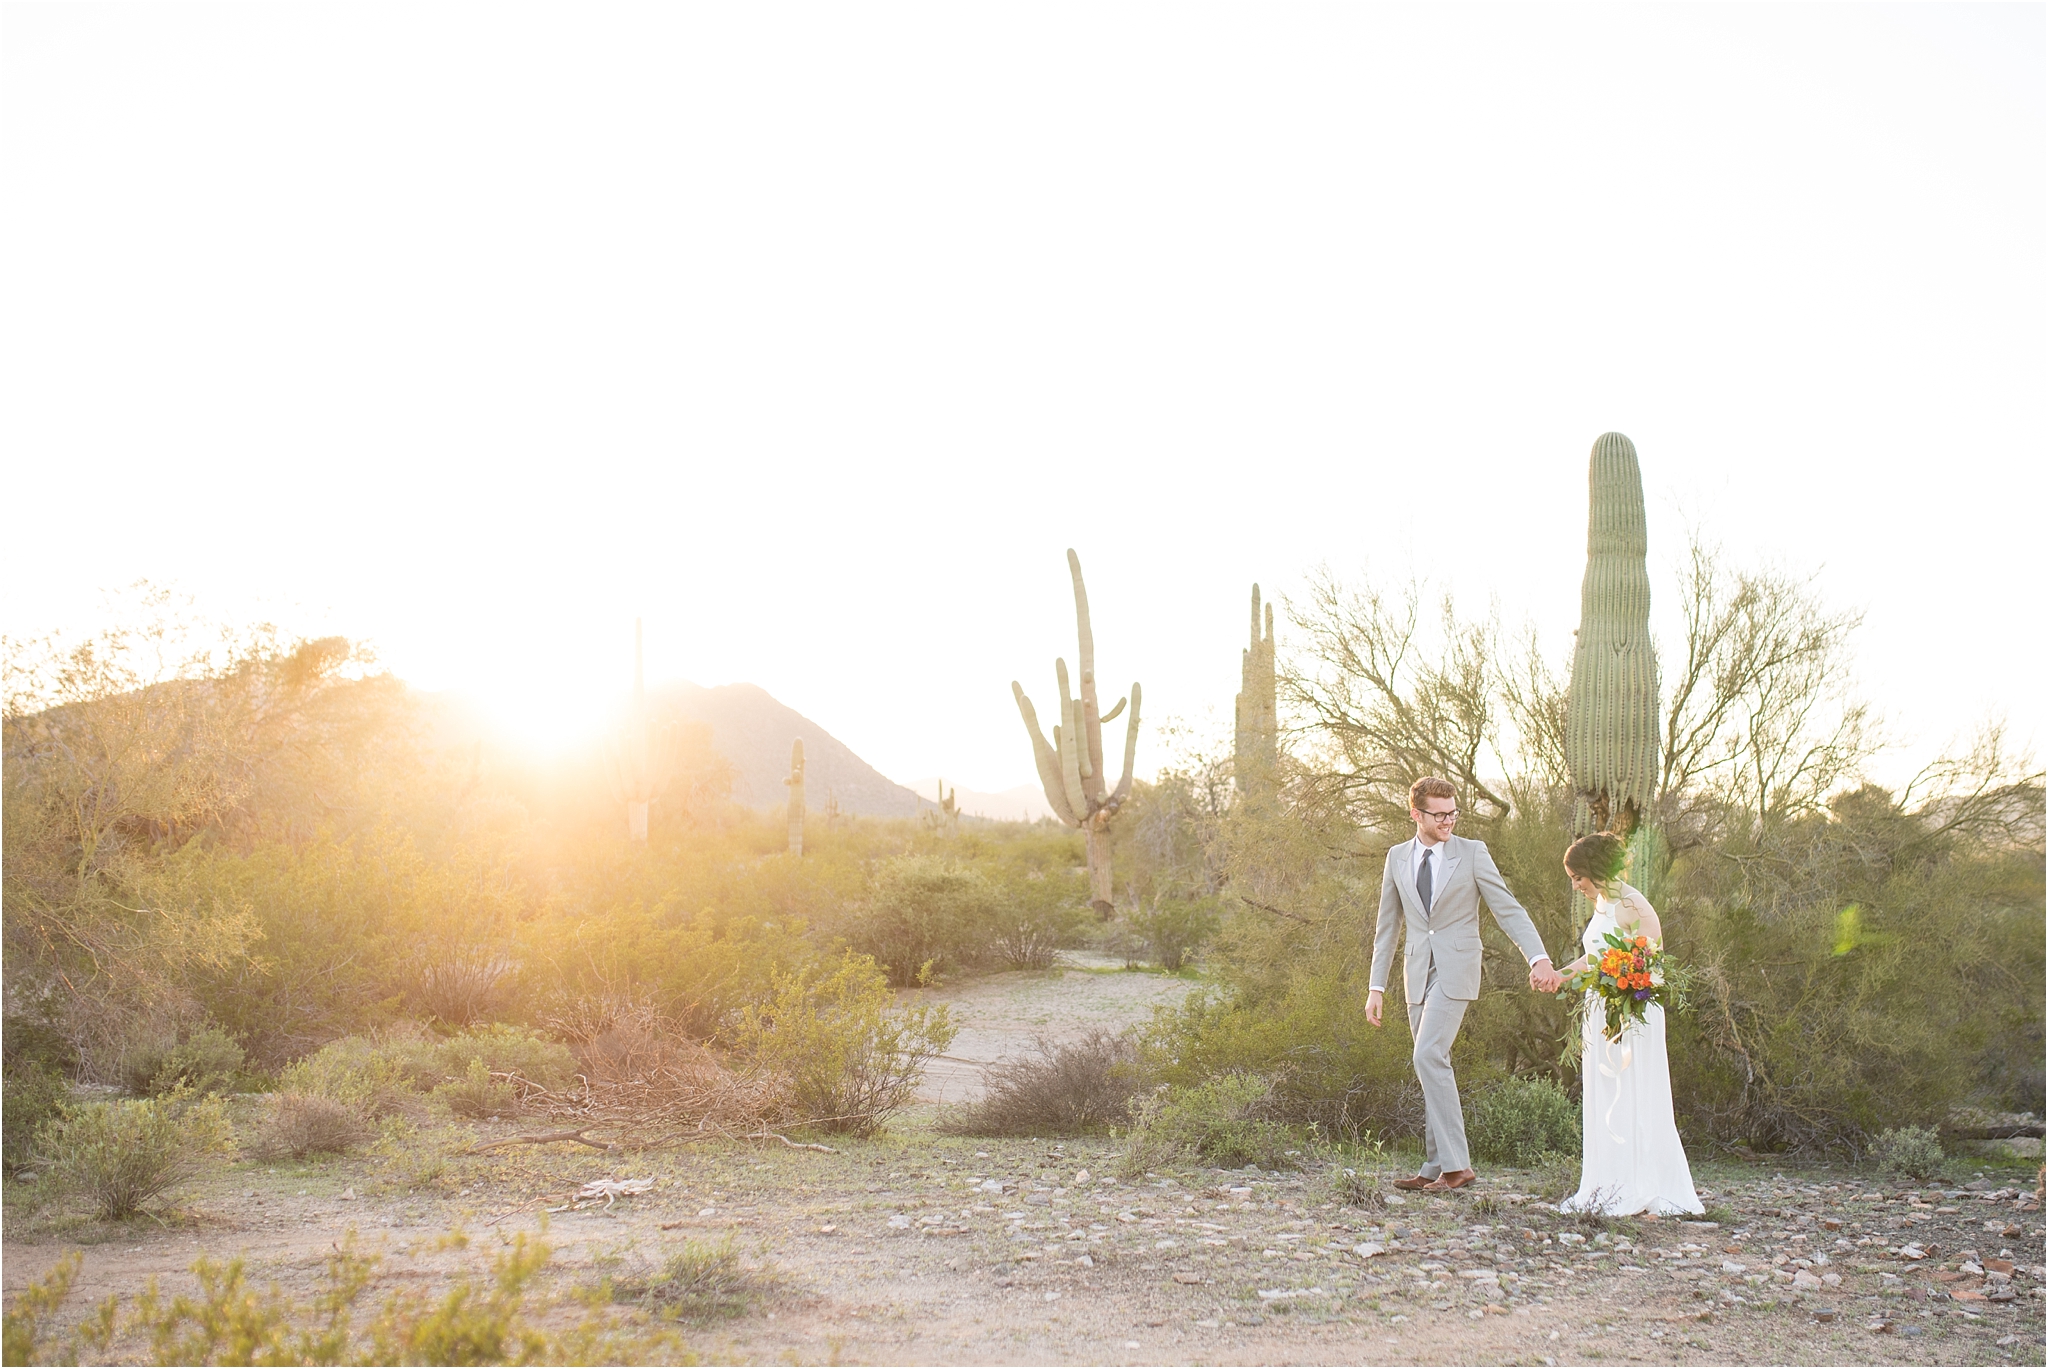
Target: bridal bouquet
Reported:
point(1628, 976)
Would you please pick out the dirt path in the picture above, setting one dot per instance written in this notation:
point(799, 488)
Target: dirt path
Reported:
point(1005, 1015)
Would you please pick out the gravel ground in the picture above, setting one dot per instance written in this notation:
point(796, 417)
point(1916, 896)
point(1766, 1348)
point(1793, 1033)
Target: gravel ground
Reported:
point(920, 1248)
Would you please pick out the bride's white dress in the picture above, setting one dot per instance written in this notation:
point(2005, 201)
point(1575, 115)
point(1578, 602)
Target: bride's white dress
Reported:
point(1633, 1161)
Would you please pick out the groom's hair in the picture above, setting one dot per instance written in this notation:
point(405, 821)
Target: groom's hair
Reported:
point(1430, 787)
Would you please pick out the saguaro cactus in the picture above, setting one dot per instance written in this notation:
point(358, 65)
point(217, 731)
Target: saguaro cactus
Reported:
point(796, 797)
point(1072, 766)
point(640, 760)
point(1258, 705)
point(1611, 715)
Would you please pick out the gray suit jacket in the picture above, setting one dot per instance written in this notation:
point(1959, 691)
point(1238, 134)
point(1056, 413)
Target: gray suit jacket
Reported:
point(1447, 936)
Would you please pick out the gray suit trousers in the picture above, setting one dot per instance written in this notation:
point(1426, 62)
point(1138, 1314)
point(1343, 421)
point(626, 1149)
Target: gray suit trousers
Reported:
point(1434, 1023)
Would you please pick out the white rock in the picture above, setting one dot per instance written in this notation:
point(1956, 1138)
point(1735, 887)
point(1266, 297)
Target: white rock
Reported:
point(1805, 1280)
point(899, 1223)
point(348, 1195)
point(1731, 1267)
point(1082, 1177)
point(1831, 1280)
point(1368, 1249)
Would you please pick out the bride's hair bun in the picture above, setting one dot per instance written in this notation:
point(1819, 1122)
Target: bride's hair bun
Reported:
point(1599, 857)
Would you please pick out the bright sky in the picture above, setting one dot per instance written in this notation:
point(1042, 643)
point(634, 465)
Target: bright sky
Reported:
point(814, 334)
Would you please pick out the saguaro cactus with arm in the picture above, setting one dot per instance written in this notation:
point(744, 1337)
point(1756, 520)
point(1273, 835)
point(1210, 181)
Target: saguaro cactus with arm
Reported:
point(1611, 715)
point(1072, 766)
point(1258, 706)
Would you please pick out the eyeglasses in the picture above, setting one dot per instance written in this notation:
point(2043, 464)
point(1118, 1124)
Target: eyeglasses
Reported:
point(1449, 815)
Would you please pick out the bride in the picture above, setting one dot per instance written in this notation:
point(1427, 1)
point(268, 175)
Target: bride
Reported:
point(1633, 1161)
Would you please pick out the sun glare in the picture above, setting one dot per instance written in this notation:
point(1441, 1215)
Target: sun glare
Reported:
point(544, 718)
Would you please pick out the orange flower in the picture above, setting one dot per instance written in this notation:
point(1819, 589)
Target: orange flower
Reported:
point(1642, 941)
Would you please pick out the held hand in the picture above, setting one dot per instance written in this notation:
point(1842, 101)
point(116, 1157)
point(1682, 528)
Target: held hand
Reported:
point(1372, 1007)
point(1544, 978)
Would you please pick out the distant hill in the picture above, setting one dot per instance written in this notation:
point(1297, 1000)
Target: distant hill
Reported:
point(753, 731)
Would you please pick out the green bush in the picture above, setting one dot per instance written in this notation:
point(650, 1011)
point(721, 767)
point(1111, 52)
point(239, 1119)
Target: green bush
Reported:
point(850, 1064)
point(119, 1155)
point(207, 1060)
point(1226, 1121)
point(1914, 1151)
point(1174, 929)
point(33, 1097)
point(1518, 1120)
point(386, 1075)
point(477, 1094)
point(507, 1049)
point(1035, 914)
point(923, 916)
point(381, 1075)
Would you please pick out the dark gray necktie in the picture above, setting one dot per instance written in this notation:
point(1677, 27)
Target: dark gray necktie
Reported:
point(1424, 885)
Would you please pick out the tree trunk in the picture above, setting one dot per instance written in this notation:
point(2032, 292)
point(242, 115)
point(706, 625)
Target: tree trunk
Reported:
point(636, 820)
point(1099, 888)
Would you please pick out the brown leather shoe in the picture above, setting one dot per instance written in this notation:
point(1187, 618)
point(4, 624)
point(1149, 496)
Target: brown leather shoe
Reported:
point(1419, 1181)
point(1456, 1178)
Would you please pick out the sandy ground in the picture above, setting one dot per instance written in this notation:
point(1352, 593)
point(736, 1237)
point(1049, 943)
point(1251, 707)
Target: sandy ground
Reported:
point(1006, 1015)
point(921, 1248)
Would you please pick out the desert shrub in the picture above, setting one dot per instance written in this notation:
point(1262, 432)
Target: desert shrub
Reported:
point(477, 1094)
point(1914, 1151)
point(1556, 1175)
point(1225, 1121)
point(33, 1097)
point(850, 1063)
point(924, 915)
point(477, 1321)
point(302, 1124)
point(700, 1281)
point(381, 1075)
point(385, 1075)
point(119, 1155)
point(1036, 913)
point(1517, 1120)
point(1065, 1089)
point(1307, 1036)
point(1175, 928)
point(506, 1049)
point(29, 1042)
point(1352, 1188)
point(206, 1060)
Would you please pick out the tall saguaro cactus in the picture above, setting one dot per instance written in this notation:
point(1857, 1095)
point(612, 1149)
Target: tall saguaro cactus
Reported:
point(796, 797)
point(1258, 706)
point(640, 760)
point(1610, 740)
point(1072, 766)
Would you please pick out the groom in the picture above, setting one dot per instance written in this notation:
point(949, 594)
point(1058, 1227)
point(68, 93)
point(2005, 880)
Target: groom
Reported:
point(1437, 881)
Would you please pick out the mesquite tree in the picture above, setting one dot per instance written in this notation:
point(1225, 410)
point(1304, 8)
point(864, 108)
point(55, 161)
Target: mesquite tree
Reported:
point(1072, 766)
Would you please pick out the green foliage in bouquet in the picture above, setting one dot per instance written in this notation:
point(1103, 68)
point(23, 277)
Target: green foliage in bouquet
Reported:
point(1630, 975)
